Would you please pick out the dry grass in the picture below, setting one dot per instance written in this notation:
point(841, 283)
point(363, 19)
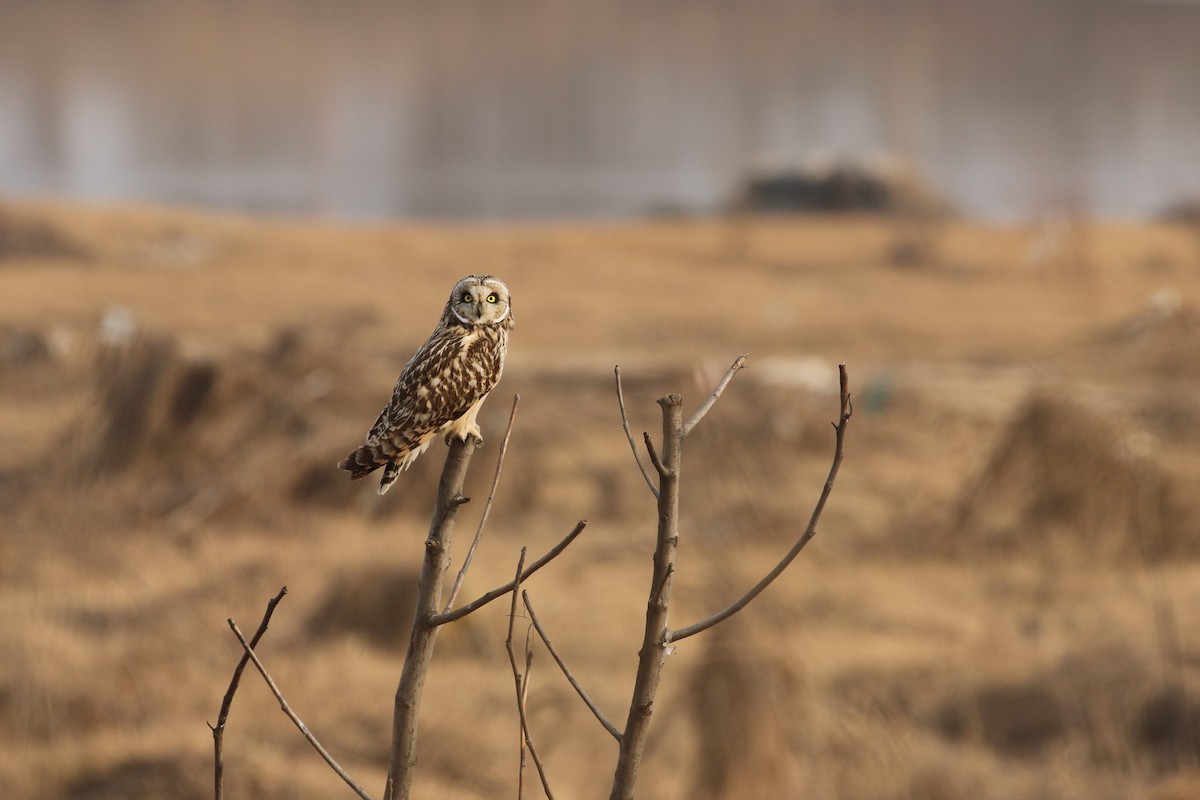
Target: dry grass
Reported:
point(997, 606)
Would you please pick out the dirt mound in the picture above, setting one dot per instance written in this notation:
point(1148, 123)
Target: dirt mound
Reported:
point(1062, 479)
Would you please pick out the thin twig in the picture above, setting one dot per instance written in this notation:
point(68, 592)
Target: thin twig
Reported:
point(500, 591)
point(462, 573)
point(512, 616)
point(218, 730)
point(658, 465)
point(657, 595)
point(524, 702)
point(629, 435)
point(847, 409)
point(537, 626)
point(520, 683)
point(738, 363)
point(292, 715)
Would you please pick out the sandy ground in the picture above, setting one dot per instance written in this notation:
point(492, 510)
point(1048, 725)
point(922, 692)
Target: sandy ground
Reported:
point(1000, 602)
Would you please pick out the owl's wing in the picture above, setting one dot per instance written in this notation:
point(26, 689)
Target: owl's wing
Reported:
point(442, 380)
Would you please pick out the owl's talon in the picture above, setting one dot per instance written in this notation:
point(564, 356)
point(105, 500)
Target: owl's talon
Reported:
point(462, 437)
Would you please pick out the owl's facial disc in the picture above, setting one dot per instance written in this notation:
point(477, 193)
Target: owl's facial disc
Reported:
point(480, 300)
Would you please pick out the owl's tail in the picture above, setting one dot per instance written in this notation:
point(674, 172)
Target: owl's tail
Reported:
point(367, 459)
point(363, 461)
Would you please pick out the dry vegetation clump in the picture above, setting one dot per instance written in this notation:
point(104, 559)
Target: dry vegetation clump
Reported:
point(1184, 786)
point(1162, 340)
point(164, 776)
point(21, 348)
point(180, 436)
point(1167, 727)
point(1090, 700)
point(744, 699)
point(977, 735)
point(375, 602)
point(131, 379)
point(1020, 718)
point(1062, 479)
point(24, 235)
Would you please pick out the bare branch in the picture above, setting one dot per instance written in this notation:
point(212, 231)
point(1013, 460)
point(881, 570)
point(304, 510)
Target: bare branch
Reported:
point(655, 650)
point(218, 730)
point(292, 715)
point(462, 573)
point(629, 435)
point(407, 707)
point(847, 409)
point(500, 591)
point(537, 626)
point(738, 363)
point(521, 683)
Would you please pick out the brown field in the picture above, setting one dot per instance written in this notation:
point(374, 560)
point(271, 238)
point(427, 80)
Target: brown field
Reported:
point(1001, 601)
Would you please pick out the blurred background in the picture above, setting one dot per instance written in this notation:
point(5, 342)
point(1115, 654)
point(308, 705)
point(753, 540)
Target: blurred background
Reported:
point(560, 108)
point(226, 224)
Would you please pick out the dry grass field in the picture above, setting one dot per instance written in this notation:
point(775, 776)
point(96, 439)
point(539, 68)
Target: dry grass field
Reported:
point(1001, 602)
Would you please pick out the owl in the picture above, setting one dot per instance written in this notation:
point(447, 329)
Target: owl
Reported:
point(445, 382)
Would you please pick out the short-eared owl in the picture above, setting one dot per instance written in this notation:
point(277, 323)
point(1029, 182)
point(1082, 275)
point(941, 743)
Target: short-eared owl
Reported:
point(443, 385)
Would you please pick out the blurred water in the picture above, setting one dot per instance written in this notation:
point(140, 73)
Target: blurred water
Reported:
point(472, 108)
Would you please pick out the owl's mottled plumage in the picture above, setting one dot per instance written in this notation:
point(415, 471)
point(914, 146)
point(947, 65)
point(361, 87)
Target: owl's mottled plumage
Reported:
point(445, 382)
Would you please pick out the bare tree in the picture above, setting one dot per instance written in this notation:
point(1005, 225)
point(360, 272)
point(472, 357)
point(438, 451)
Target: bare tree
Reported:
point(657, 636)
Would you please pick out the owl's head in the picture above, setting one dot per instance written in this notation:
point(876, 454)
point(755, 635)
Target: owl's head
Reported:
point(481, 300)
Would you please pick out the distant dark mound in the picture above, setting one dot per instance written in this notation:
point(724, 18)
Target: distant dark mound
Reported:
point(814, 186)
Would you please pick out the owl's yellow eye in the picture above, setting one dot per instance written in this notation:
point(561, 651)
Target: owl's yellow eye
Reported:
point(466, 298)
point(492, 298)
